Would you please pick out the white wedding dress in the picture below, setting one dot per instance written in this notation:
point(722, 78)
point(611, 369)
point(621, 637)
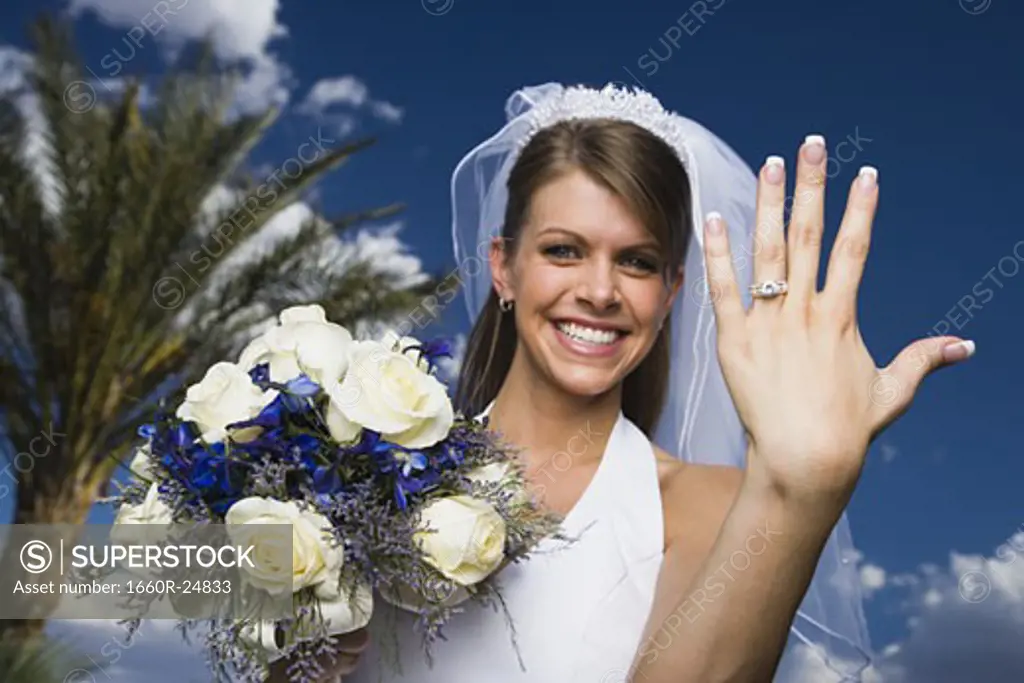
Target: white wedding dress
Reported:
point(578, 610)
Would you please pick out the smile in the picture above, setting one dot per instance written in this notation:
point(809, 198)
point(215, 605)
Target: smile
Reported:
point(588, 335)
point(589, 341)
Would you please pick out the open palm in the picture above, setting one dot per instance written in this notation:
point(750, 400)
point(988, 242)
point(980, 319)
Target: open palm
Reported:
point(805, 385)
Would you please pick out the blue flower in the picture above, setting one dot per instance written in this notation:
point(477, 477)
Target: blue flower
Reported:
point(414, 460)
point(304, 444)
point(260, 375)
point(203, 469)
point(277, 411)
point(410, 469)
point(268, 440)
point(432, 351)
point(452, 454)
point(326, 479)
point(369, 443)
point(302, 386)
point(406, 485)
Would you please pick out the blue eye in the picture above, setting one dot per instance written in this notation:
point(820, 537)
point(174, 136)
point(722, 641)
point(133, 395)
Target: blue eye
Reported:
point(643, 264)
point(559, 250)
point(567, 251)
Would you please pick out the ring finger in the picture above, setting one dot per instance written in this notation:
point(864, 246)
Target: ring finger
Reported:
point(770, 234)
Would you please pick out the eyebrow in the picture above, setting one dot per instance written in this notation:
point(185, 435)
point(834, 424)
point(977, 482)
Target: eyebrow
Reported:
point(647, 244)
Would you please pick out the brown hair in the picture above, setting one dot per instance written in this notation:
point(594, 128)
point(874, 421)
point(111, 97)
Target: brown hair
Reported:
point(646, 173)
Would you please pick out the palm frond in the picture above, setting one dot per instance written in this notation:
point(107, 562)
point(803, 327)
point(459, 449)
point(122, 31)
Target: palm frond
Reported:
point(93, 341)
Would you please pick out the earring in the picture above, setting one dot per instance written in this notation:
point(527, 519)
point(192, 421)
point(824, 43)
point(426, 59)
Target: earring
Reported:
point(505, 304)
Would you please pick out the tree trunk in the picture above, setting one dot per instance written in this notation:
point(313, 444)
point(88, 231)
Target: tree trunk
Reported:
point(68, 503)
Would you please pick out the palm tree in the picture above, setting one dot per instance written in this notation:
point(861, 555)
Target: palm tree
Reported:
point(98, 225)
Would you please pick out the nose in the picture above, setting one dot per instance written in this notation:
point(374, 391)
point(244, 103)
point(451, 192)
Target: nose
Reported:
point(598, 285)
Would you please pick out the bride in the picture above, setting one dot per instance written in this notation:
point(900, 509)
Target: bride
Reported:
point(700, 435)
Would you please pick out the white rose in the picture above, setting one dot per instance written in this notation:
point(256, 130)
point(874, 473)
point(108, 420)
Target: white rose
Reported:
point(314, 556)
point(339, 426)
point(501, 473)
point(386, 392)
point(279, 353)
point(394, 342)
point(491, 473)
point(142, 464)
point(322, 351)
point(304, 343)
point(462, 537)
point(341, 615)
point(151, 510)
point(226, 394)
point(312, 313)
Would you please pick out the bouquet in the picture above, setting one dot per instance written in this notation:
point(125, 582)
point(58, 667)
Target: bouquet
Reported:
point(355, 446)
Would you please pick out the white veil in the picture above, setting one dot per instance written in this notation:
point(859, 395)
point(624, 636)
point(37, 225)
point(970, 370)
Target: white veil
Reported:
point(699, 422)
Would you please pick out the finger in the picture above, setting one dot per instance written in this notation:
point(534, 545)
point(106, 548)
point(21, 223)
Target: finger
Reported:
point(850, 251)
point(722, 286)
point(895, 385)
point(807, 220)
point(770, 234)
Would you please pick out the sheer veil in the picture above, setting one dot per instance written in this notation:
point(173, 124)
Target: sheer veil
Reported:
point(699, 422)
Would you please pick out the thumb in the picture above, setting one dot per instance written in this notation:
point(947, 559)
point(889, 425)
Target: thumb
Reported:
point(899, 381)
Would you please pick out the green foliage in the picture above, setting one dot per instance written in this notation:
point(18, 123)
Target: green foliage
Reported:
point(90, 334)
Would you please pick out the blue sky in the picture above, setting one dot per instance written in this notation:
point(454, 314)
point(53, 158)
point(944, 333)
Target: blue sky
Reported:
point(930, 89)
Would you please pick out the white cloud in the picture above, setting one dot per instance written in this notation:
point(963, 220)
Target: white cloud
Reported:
point(266, 84)
point(14, 65)
point(966, 621)
point(872, 579)
point(889, 452)
point(388, 111)
point(329, 91)
point(379, 247)
point(344, 124)
point(241, 30)
point(350, 92)
point(451, 367)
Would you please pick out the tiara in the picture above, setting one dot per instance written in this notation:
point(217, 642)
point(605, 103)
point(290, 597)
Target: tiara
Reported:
point(610, 102)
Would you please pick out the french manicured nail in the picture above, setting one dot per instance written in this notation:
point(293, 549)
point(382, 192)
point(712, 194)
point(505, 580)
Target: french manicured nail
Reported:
point(958, 351)
point(867, 177)
point(814, 148)
point(714, 222)
point(775, 169)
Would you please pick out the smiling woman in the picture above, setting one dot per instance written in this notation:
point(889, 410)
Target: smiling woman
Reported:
point(613, 235)
point(699, 564)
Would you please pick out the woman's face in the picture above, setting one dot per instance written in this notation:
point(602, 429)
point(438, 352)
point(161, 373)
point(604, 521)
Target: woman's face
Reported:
point(588, 285)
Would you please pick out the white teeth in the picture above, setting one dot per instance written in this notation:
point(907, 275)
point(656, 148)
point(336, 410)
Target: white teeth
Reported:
point(588, 334)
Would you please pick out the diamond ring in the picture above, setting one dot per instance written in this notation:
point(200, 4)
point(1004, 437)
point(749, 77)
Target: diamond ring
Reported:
point(769, 289)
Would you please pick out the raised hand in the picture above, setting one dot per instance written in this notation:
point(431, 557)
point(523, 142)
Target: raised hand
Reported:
point(807, 390)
